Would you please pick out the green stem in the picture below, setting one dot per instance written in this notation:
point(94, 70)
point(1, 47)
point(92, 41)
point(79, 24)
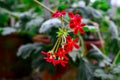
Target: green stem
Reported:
point(116, 57)
point(56, 43)
point(50, 10)
point(44, 6)
point(62, 21)
point(82, 44)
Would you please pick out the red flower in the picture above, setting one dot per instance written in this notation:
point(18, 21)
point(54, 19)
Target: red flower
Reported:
point(71, 43)
point(58, 13)
point(57, 58)
point(62, 53)
point(62, 56)
point(50, 58)
point(75, 23)
point(63, 62)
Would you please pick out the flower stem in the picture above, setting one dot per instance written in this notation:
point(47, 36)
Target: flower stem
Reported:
point(56, 44)
point(116, 57)
point(48, 9)
point(82, 44)
point(44, 6)
point(62, 21)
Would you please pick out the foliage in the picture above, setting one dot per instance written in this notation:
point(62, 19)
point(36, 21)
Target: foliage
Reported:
point(101, 4)
point(88, 71)
point(30, 20)
point(109, 72)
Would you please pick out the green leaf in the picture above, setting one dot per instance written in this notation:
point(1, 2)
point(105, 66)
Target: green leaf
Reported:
point(34, 22)
point(8, 30)
point(118, 10)
point(104, 75)
point(85, 70)
point(4, 19)
point(113, 30)
point(49, 24)
point(101, 4)
point(94, 54)
point(62, 7)
point(74, 54)
point(114, 45)
point(116, 69)
point(106, 59)
point(1, 30)
point(27, 50)
point(86, 29)
point(89, 28)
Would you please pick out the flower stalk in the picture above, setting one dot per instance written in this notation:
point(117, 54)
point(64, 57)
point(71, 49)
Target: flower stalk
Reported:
point(48, 9)
point(82, 44)
point(44, 6)
point(116, 57)
point(56, 44)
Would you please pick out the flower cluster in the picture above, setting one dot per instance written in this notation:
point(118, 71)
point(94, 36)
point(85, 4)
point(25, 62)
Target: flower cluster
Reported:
point(60, 57)
point(75, 23)
point(64, 43)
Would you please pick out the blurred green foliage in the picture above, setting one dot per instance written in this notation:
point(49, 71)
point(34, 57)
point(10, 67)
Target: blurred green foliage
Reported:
point(101, 4)
point(29, 19)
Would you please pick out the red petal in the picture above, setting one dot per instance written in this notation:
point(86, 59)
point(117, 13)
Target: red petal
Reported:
point(43, 52)
point(60, 49)
point(55, 62)
point(78, 18)
point(72, 24)
point(70, 14)
point(53, 15)
point(68, 48)
point(76, 39)
point(56, 14)
point(68, 38)
point(66, 58)
point(83, 24)
point(81, 31)
point(63, 63)
point(76, 46)
point(75, 31)
point(63, 12)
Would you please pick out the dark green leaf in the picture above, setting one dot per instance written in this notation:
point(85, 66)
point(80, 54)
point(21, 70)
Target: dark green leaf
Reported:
point(104, 75)
point(94, 54)
point(85, 70)
point(106, 59)
point(86, 29)
point(113, 30)
point(27, 50)
point(62, 7)
point(47, 25)
point(1, 30)
point(118, 10)
point(116, 69)
point(89, 28)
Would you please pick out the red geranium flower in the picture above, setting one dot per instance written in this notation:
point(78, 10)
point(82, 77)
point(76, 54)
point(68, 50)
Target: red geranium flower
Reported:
point(75, 23)
point(58, 13)
point(71, 43)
